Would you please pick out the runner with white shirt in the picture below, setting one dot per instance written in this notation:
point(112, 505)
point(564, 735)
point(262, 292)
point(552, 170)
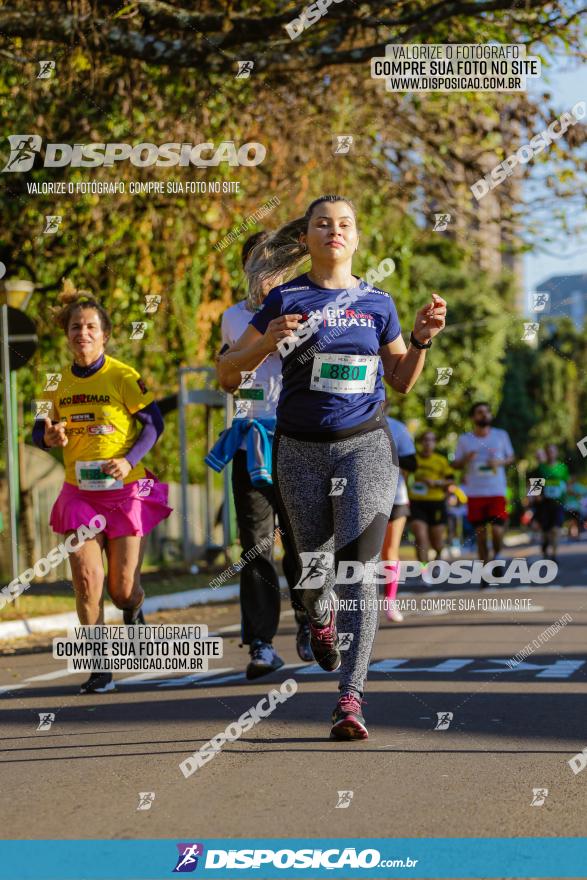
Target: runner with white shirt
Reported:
point(406, 453)
point(483, 454)
point(248, 443)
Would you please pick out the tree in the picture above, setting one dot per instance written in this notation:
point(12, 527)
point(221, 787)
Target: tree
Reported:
point(124, 74)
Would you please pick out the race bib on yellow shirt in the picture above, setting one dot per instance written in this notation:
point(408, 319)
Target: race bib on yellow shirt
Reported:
point(419, 489)
point(91, 478)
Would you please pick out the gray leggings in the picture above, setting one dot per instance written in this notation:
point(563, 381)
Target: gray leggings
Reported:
point(348, 526)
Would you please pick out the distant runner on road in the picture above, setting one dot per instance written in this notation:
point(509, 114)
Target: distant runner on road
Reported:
point(483, 455)
point(549, 503)
point(428, 490)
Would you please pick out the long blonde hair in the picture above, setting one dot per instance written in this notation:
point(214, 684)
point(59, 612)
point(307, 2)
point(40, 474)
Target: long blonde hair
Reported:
point(282, 252)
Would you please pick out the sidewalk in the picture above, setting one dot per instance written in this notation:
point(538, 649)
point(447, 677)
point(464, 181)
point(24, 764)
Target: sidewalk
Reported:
point(14, 629)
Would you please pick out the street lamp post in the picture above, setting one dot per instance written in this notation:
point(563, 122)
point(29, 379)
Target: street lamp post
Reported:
point(16, 295)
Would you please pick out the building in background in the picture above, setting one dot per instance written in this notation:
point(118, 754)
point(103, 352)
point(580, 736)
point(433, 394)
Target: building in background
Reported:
point(567, 297)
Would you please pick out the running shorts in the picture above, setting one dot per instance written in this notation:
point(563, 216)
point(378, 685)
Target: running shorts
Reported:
point(399, 510)
point(487, 510)
point(135, 509)
point(549, 514)
point(433, 513)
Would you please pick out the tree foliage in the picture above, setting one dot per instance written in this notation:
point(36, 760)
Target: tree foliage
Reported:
point(157, 72)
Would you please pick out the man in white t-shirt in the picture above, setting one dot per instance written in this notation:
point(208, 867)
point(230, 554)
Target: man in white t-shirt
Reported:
point(256, 507)
point(483, 455)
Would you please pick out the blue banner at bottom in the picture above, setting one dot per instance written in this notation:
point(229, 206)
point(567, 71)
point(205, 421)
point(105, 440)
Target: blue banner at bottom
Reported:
point(226, 859)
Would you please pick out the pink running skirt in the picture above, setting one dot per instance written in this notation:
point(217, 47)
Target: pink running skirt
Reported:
point(133, 510)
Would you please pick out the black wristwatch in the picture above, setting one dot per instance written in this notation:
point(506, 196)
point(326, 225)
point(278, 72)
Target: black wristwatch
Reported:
point(417, 344)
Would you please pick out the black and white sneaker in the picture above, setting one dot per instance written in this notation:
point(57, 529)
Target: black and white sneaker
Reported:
point(133, 616)
point(324, 644)
point(264, 659)
point(98, 683)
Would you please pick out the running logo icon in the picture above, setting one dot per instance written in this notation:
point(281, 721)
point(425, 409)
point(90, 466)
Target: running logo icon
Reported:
point(146, 799)
point(441, 222)
point(337, 485)
point(435, 407)
point(539, 795)
point(343, 143)
point(152, 303)
point(42, 409)
point(530, 332)
point(536, 485)
point(46, 719)
point(443, 375)
point(315, 568)
point(345, 641)
point(53, 380)
point(46, 69)
point(344, 800)
point(138, 329)
point(444, 719)
point(540, 301)
point(244, 69)
point(188, 857)
point(52, 224)
point(23, 149)
point(242, 409)
point(145, 486)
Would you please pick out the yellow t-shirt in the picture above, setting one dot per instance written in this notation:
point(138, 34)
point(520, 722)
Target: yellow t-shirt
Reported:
point(433, 467)
point(100, 425)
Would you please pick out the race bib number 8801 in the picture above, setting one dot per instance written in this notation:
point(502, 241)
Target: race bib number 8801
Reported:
point(344, 373)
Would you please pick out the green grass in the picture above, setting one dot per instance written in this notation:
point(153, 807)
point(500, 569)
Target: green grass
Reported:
point(155, 584)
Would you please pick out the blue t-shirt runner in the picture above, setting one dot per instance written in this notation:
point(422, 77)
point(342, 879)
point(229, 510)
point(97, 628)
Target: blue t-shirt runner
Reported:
point(332, 377)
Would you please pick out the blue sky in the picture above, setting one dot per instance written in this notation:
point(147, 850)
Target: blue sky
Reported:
point(567, 86)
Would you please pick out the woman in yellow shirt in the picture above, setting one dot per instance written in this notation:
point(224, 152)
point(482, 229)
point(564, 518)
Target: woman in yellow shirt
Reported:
point(105, 420)
point(427, 494)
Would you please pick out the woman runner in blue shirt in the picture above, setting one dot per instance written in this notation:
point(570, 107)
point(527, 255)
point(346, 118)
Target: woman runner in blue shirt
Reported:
point(334, 462)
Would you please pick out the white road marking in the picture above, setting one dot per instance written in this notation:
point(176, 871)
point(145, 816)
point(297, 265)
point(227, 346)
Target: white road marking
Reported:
point(50, 676)
point(198, 678)
point(557, 669)
point(7, 688)
point(445, 666)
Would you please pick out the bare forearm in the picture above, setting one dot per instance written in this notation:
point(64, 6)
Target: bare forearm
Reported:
point(231, 365)
point(406, 370)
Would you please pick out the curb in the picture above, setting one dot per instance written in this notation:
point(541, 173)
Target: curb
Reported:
point(18, 629)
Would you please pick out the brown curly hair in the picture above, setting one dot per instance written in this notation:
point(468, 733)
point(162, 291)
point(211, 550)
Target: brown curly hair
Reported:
point(71, 299)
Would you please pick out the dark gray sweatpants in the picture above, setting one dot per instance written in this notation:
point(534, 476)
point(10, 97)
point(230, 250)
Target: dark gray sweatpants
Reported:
point(349, 527)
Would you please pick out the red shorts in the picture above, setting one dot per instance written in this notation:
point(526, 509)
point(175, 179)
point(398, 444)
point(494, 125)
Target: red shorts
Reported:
point(484, 510)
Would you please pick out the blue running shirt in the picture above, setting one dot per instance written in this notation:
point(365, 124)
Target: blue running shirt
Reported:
point(364, 319)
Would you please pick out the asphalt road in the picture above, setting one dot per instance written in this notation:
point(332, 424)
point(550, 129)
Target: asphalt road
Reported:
point(512, 731)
